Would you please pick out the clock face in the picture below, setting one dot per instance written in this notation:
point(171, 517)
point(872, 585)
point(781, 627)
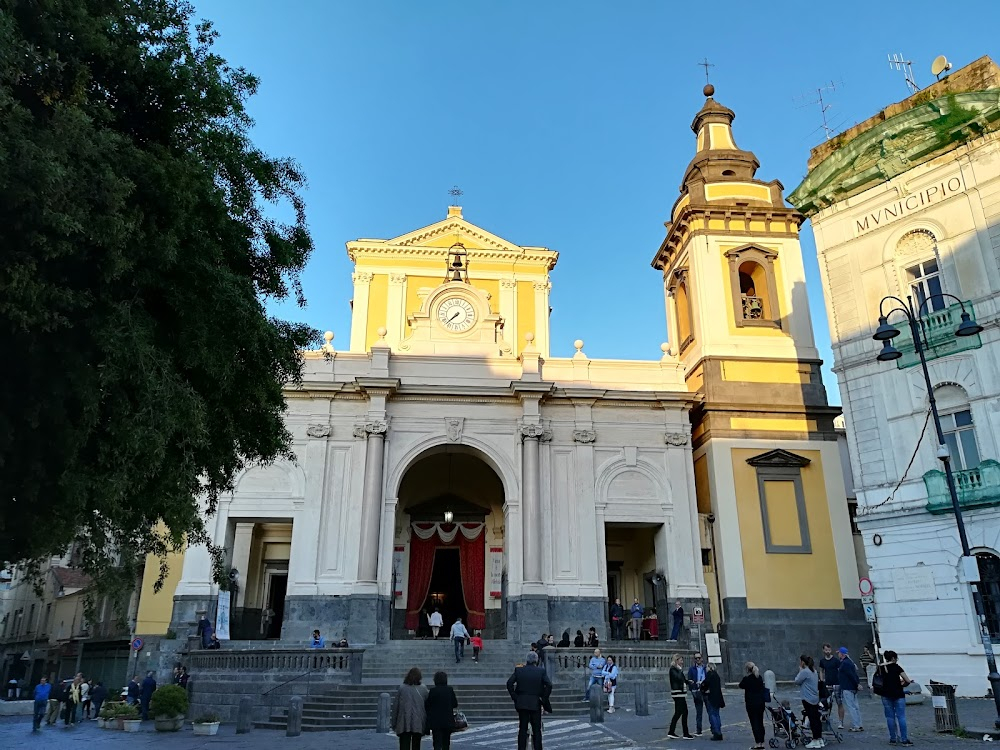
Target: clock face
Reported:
point(457, 314)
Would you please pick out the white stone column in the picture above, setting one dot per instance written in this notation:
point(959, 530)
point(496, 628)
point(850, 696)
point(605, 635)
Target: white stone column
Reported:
point(371, 508)
point(359, 317)
point(196, 572)
point(542, 317)
point(531, 516)
point(395, 320)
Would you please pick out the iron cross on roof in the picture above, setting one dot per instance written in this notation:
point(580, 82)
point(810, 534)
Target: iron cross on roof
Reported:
point(706, 65)
point(456, 192)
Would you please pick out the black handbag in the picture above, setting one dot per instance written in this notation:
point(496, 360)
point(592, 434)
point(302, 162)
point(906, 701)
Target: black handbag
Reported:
point(460, 723)
point(878, 684)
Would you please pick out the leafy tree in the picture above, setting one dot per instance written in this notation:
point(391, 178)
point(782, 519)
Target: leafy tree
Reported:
point(141, 370)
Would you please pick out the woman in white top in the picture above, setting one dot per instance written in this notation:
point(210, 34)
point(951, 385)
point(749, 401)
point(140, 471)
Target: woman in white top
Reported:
point(610, 675)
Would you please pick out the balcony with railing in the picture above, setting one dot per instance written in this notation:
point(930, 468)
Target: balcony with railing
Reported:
point(978, 487)
point(939, 328)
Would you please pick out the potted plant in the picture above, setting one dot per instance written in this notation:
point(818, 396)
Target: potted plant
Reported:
point(128, 717)
point(206, 724)
point(168, 706)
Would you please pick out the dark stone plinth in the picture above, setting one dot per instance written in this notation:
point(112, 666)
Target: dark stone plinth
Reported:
point(294, 728)
point(596, 708)
point(577, 613)
point(749, 635)
point(527, 617)
point(362, 618)
point(641, 699)
point(383, 719)
point(244, 715)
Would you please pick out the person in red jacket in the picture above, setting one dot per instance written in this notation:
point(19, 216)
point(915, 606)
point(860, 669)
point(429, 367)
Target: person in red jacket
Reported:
point(477, 645)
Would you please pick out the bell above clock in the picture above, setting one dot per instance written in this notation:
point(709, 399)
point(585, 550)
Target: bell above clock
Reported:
point(457, 268)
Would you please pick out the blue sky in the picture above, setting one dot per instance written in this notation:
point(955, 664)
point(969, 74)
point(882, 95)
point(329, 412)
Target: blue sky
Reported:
point(566, 124)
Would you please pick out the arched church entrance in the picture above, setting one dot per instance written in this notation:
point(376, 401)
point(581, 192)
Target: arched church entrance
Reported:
point(449, 545)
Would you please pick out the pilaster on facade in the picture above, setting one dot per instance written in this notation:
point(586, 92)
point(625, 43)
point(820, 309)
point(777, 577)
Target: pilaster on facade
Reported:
point(542, 289)
point(359, 318)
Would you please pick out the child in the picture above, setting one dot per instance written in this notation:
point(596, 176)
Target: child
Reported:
point(477, 645)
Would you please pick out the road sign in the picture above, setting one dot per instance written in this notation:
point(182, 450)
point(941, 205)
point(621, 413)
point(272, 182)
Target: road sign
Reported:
point(698, 616)
point(865, 587)
point(137, 644)
point(869, 612)
point(868, 599)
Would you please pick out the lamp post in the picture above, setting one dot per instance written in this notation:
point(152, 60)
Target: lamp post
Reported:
point(967, 327)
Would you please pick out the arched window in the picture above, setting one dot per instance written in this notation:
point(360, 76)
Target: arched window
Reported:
point(989, 589)
point(755, 295)
point(956, 423)
point(917, 252)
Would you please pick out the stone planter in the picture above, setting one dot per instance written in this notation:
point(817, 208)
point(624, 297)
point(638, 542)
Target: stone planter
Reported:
point(207, 729)
point(132, 725)
point(100, 723)
point(168, 723)
point(119, 723)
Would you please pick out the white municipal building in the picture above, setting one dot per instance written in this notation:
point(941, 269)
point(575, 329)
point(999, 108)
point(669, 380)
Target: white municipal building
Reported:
point(907, 204)
point(445, 460)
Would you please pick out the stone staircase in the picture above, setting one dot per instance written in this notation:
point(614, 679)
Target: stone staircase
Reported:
point(480, 687)
point(355, 706)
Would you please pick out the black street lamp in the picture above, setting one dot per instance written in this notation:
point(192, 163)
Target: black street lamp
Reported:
point(968, 327)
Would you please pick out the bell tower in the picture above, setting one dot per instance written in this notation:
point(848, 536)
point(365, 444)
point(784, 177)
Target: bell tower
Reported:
point(767, 467)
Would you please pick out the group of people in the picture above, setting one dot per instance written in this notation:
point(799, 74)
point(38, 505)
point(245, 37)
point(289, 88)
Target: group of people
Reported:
point(835, 681)
point(318, 641)
point(638, 618)
point(140, 693)
point(705, 685)
point(418, 710)
point(74, 700)
point(604, 672)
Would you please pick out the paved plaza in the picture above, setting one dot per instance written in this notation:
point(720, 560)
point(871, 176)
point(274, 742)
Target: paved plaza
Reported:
point(620, 730)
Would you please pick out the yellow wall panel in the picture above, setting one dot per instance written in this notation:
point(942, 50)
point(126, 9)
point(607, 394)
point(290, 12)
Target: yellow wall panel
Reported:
point(378, 307)
point(765, 372)
point(721, 190)
point(702, 487)
point(153, 616)
point(787, 581)
point(525, 312)
point(782, 514)
point(786, 424)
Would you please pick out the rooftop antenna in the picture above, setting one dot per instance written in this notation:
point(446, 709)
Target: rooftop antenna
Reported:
point(898, 62)
point(939, 66)
point(824, 107)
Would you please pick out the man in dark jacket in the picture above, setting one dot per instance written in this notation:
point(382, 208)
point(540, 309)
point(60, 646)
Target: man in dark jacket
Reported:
point(148, 688)
point(617, 619)
point(695, 678)
point(847, 672)
point(134, 691)
point(830, 666)
point(529, 688)
point(711, 689)
point(97, 697)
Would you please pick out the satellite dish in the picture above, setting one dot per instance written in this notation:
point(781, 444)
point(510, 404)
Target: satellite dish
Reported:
point(940, 65)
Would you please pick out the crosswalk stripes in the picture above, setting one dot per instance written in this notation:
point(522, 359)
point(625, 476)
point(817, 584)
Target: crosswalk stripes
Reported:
point(557, 733)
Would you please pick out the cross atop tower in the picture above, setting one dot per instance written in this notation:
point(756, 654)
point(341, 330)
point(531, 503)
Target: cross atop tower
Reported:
point(706, 65)
point(456, 193)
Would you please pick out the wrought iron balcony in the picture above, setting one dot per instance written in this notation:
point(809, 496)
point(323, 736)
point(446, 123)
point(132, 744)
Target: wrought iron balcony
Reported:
point(753, 307)
point(939, 328)
point(977, 488)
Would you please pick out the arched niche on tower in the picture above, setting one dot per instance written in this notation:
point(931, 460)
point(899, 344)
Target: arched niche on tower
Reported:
point(754, 286)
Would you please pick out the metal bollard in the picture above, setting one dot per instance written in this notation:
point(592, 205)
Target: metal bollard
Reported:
point(384, 715)
point(596, 708)
point(549, 662)
point(294, 717)
point(244, 715)
point(641, 699)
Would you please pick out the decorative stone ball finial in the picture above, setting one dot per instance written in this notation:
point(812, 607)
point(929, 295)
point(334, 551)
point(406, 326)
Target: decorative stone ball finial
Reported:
point(382, 331)
point(529, 337)
point(709, 89)
point(328, 337)
point(578, 344)
point(665, 347)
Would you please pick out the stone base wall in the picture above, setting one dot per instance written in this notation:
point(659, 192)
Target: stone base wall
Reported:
point(774, 638)
point(362, 618)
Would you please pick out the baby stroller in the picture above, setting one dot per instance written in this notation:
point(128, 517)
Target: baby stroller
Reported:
point(825, 711)
point(784, 726)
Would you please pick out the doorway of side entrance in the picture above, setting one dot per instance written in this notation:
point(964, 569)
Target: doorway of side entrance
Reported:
point(633, 574)
point(446, 595)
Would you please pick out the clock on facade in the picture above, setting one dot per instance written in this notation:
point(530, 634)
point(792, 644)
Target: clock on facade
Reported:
point(457, 314)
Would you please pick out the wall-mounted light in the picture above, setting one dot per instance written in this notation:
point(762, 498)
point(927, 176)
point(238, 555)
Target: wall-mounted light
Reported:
point(448, 516)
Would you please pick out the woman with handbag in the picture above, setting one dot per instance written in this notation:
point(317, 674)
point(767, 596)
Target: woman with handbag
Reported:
point(610, 682)
point(889, 681)
point(755, 695)
point(678, 691)
point(441, 704)
point(409, 715)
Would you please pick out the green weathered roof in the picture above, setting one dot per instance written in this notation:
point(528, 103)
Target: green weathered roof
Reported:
point(897, 145)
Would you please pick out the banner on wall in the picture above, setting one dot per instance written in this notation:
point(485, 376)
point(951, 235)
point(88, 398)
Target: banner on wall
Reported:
point(496, 572)
point(398, 570)
point(222, 617)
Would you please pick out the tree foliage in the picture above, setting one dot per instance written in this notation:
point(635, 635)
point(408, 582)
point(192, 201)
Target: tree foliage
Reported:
point(136, 256)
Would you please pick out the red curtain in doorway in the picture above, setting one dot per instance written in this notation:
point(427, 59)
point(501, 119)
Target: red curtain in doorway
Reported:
point(473, 560)
point(421, 567)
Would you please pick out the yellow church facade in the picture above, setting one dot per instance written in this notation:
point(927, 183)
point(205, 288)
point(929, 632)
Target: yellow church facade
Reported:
point(446, 461)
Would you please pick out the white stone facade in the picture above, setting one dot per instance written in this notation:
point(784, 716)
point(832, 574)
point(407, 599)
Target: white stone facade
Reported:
point(881, 242)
